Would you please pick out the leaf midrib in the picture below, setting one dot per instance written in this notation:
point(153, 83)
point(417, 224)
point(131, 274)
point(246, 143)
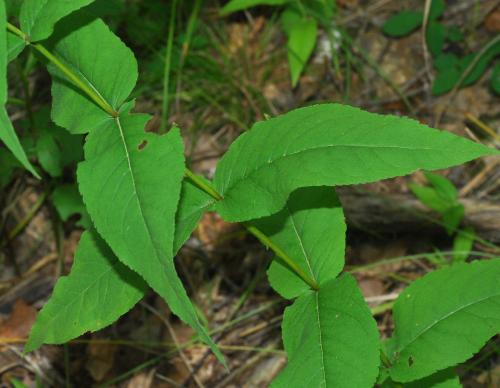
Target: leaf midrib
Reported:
point(299, 238)
point(322, 353)
point(429, 327)
point(285, 156)
point(136, 194)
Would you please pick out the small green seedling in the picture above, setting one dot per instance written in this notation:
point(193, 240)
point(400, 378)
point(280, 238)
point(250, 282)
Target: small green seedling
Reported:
point(442, 197)
point(277, 180)
point(300, 21)
point(451, 70)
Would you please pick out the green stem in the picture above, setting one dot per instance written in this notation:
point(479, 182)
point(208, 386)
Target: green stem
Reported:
point(202, 184)
point(206, 187)
point(67, 72)
point(282, 255)
point(168, 64)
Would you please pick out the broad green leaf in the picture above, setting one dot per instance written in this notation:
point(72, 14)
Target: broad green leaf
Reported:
point(13, 7)
point(7, 133)
point(328, 144)
point(444, 318)
point(452, 217)
point(462, 244)
point(112, 73)
point(311, 230)
point(55, 147)
point(96, 293)
point(437, 9)
point(68, 201)
point(429, 197)
point(443, 186)
point(446, 378)
point(15, 45)
point(193, 204)
point(301, 42)
point(133, 206)
point(17, 384)
point(495, 79)
point(8, 163)
point(331, 339)
point(38, 17)
point(445, 61)
point(447, 79)
point(403, 23)
point(435, 37)
point(453, 34)
point(239, 5)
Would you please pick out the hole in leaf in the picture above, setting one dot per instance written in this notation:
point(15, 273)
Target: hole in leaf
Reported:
point(410, 361)
point(143, 145)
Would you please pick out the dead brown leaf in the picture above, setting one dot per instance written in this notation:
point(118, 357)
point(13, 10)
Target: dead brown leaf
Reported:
point(19, 323)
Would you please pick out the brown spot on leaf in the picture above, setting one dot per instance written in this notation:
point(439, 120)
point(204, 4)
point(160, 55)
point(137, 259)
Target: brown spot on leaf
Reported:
point(143, 145)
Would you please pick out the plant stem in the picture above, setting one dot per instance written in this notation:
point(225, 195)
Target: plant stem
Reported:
point(203, 185)
point(199, 182)
point(282, 255)
point(94, 96)
point(166, 72)
point(207, 188)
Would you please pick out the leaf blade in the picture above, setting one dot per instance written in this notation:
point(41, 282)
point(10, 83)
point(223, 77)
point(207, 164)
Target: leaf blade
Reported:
point(7, 133)
point(38, 17)
point(301, 42)
point(112, 74)
point(105, 288)
point(462, 321)
point(300, 148)
point(321, 328)
point(310, 229)
point(134, 206)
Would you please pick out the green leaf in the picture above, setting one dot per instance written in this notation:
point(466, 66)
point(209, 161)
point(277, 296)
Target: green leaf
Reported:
point(452, 217)
point(96, 293)
point(453, 34)
point(444, 318)
point(445, 61)
point(239, 5)
point(68, 201)
point(437, 9)
point(193, 204)
point(403, 23)
point(311, 230)
point(55, 147)
point(331, 339)
point(15, 45)
point(462, 244)
point(38, 17)
point(133, 205)
point(112, 73)
point(447, 79)
point(495, 79)
point(8, 164)
point(7, 133)
point(435, 37)
point(443, 186)
point(289, 17)
point(430, 198)
point(328, 144)
point(301, 42)
point(446, 378)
